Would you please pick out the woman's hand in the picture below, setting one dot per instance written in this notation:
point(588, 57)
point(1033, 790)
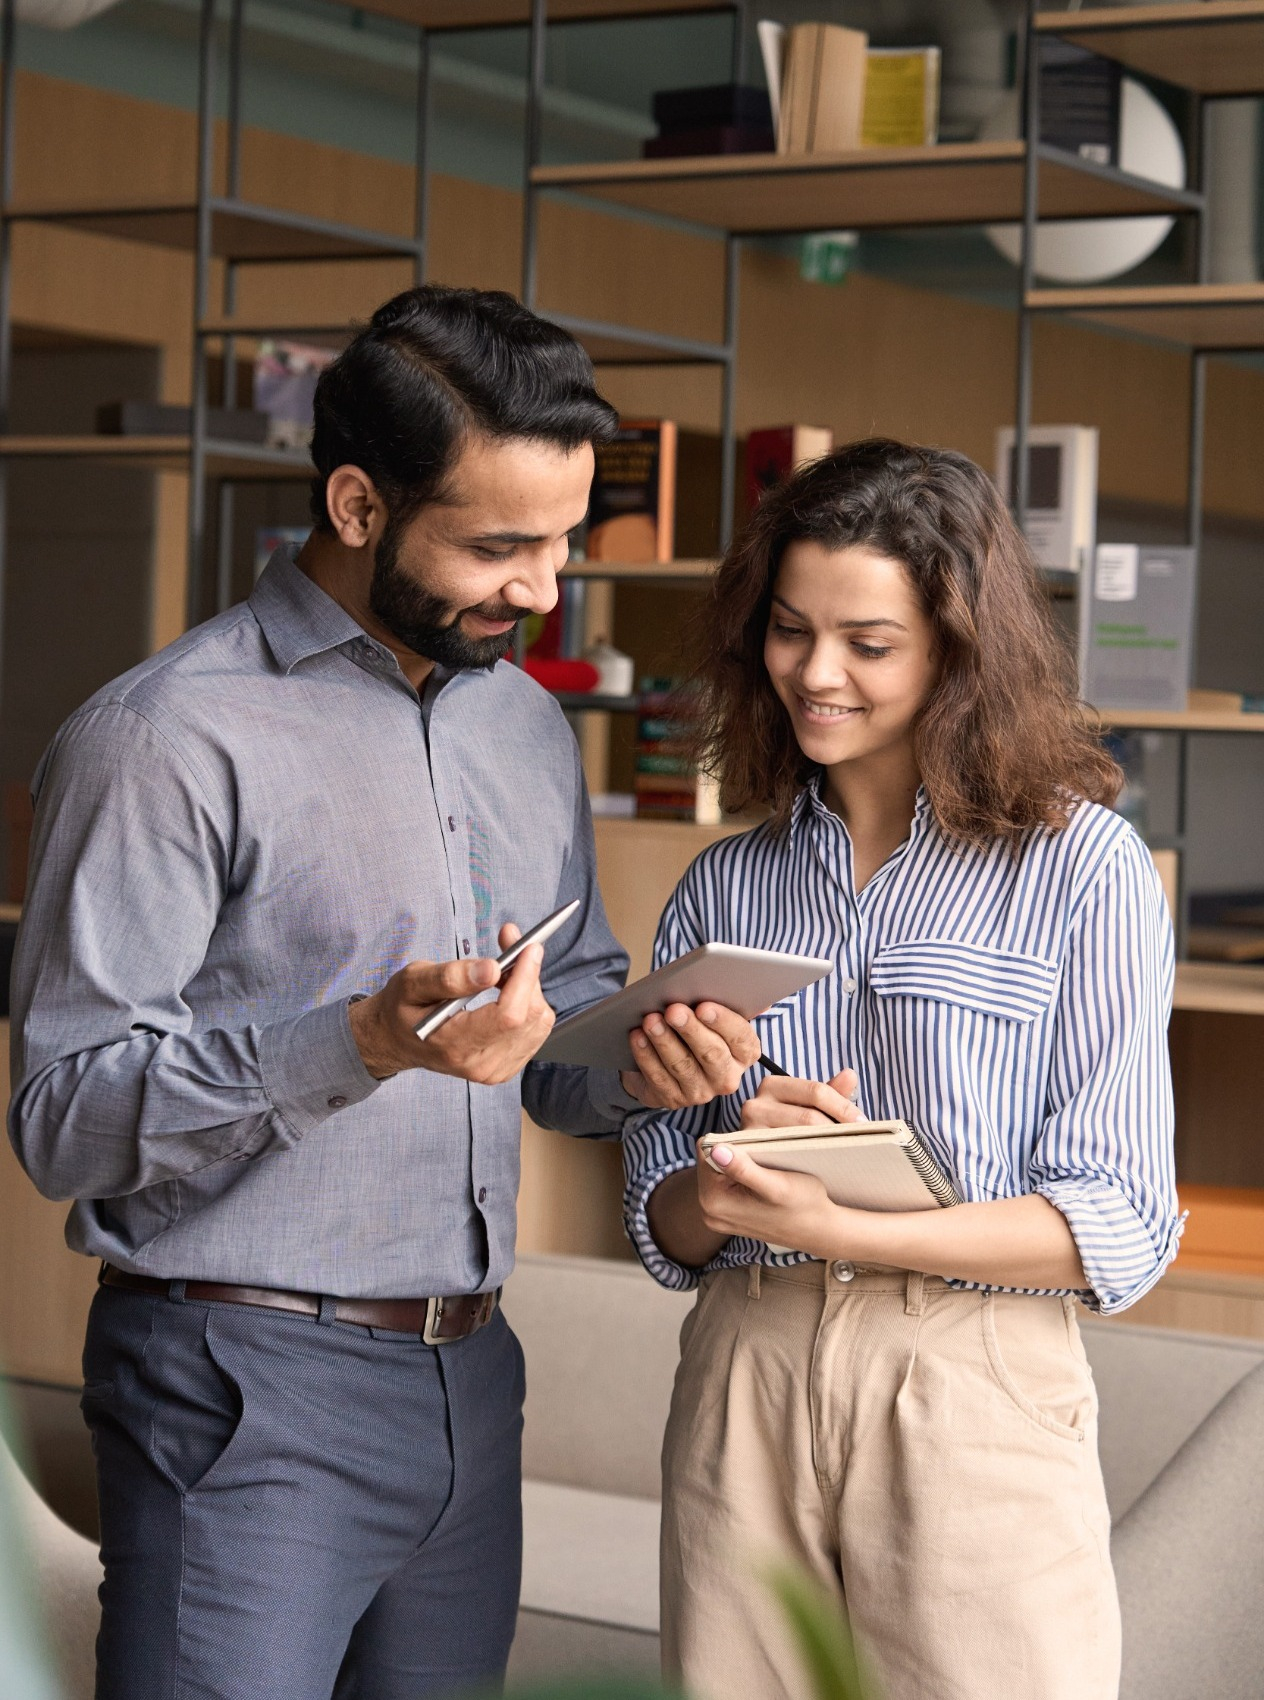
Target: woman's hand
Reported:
point(784, 1102)
point(739, 1196)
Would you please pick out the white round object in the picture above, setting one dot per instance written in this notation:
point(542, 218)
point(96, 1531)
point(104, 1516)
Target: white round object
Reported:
point(1090, 250)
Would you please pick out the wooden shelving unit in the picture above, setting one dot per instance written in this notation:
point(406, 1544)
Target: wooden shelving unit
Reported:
point(1219, 317)
point(1219, 988)
point(1215, 47)
point(242, 462)
point(865, 189)
point(1191, 720)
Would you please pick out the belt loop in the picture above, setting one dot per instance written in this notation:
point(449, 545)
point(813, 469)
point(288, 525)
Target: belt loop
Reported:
point(752, 1281)
point(175, 1291)
point(328, 1312)
point(915, 1293)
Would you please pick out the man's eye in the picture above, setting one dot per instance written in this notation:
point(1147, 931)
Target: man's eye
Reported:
point(492, 554)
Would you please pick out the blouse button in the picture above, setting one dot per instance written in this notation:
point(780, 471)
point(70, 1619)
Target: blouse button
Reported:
point(849, 986)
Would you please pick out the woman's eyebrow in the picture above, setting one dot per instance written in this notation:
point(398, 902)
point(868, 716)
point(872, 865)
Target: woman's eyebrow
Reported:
point(844, 625)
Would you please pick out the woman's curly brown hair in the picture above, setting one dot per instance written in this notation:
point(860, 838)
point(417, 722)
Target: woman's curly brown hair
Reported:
point(1003, 745)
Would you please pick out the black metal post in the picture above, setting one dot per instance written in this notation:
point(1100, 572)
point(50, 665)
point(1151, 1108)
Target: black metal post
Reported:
point(1027, 266)
point(229, 384)
point(534, 127)
point(224, 547)
point(201, 293)
point(739, 41)
point(421, 208)
point(8, 114)
point(728, 391)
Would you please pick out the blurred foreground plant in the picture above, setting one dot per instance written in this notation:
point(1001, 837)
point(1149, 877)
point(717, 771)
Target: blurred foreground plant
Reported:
point(821, 1632)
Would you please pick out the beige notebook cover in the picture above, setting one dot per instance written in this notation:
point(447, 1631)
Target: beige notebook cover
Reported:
point(879, 1166)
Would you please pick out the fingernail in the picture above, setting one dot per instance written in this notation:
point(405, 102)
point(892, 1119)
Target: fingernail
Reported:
point(653, 1025)
point(678, 1017)
point(639, 1041)
point(722, 1155)
point(483, 973)
point(708, 1013)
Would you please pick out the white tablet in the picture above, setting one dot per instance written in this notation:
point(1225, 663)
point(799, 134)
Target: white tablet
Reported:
point(748, 981)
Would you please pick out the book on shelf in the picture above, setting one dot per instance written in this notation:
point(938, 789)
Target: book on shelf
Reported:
point(1224, 944)
point(1080, 94)
point(284, 388)
point(1061, 515)
point(721, 118)
point(173, 419)
point(822, 89)
point(665, 783)
point(773, 454)
point(1136, 627)
point(901, 97)
point(631, 511)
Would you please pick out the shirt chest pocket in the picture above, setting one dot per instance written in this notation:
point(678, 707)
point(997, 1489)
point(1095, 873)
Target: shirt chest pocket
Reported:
point(1009, 985)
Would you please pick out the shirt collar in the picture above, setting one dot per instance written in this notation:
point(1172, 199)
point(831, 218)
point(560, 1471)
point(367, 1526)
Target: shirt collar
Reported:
point(296, 616)
point(809, 806)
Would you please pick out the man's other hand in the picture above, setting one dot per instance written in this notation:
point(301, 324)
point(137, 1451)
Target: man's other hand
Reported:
point(487, 1045)
point(687, 1056)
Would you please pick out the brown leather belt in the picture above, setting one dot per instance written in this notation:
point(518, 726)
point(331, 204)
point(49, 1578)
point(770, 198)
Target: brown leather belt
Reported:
point(436, 1320)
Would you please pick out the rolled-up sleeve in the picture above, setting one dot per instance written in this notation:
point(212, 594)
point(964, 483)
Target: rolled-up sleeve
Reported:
point(1105, 1156)
point(114, 1089)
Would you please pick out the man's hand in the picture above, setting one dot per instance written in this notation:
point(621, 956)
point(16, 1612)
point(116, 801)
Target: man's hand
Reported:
point(689, 1056)
point(487, 1045)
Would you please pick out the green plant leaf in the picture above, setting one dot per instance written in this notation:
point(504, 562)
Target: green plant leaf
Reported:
point(821, 1632)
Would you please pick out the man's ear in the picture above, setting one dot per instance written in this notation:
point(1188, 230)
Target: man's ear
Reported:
point(355, 509)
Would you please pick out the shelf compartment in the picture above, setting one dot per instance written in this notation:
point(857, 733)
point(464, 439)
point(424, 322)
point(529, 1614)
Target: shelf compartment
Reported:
point(237, 462)
point(1225, 1231)
point(1215, 47)
point(865, 188)
point(1205, 316)
point(240, 232)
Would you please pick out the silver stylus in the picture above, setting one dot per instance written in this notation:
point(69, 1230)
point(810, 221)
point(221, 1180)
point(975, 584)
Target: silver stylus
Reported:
point(534, 935)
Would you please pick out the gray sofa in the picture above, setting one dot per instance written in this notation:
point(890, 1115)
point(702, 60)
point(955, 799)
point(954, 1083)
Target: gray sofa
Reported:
point(1181, 1431)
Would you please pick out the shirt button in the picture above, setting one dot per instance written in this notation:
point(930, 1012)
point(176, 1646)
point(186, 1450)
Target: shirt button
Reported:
point(482, 1195)
point(337, 1103)
point(843, 1271)
point(465, 946)
point(451, 823)
point(849, 986)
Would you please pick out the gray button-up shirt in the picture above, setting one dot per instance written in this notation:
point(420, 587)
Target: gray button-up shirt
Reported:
point(233, 839)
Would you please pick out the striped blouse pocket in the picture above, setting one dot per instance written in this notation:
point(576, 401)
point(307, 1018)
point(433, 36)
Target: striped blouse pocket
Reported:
point(1006, 984)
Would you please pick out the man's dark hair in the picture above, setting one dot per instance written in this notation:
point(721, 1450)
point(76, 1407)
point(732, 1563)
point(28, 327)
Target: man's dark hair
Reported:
point(435, 366)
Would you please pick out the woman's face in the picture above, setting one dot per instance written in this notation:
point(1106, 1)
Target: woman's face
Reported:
point(850, 652)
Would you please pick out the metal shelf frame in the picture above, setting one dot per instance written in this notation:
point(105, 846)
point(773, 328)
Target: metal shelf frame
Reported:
point(214, 226)
point(1097, 23)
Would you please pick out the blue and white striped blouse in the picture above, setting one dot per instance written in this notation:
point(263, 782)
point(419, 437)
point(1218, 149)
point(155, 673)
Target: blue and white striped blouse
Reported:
point(1012, 1008)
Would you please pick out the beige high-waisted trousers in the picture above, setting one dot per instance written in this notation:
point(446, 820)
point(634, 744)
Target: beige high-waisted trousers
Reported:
point(929, 1455)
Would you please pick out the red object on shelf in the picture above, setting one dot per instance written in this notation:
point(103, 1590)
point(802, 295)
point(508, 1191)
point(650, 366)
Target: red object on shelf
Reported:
point(562, 675)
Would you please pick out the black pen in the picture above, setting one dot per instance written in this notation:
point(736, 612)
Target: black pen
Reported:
point(770, 1067)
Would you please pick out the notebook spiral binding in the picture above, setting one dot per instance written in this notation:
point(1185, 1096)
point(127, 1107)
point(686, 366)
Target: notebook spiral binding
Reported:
point(929, 1170)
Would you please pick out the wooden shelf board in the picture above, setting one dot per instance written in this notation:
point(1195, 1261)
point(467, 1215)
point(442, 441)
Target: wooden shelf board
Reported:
point(239, 231)
point(1218, 987)
point(1192, 720)
point(644, 571)
point(493, 14)
point(1212, 315)
point(1215, 47)
point(165, 454)
point(866, 188)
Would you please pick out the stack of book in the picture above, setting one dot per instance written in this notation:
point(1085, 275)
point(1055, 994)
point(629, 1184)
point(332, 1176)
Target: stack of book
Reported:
point(666, 784)
point(632, 506)
point(724, 118)
point(833, 92)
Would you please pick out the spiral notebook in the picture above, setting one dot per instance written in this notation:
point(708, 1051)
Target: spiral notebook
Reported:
point(867, 1165)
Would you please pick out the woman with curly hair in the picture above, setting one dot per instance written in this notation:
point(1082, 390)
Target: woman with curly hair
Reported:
point(901, 1404)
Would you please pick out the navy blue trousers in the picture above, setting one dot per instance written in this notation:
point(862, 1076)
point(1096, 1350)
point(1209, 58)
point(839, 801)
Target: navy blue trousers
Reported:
point(294, 1509)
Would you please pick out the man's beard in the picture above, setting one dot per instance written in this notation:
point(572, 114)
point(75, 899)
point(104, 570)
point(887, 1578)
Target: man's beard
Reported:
point(425, 622)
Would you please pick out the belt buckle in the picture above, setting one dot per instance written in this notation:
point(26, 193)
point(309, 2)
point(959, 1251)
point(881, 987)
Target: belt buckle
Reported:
point(434, 1321)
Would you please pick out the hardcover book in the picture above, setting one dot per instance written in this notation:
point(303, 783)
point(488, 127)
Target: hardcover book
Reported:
point(1135, 630)
point(631, 512)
